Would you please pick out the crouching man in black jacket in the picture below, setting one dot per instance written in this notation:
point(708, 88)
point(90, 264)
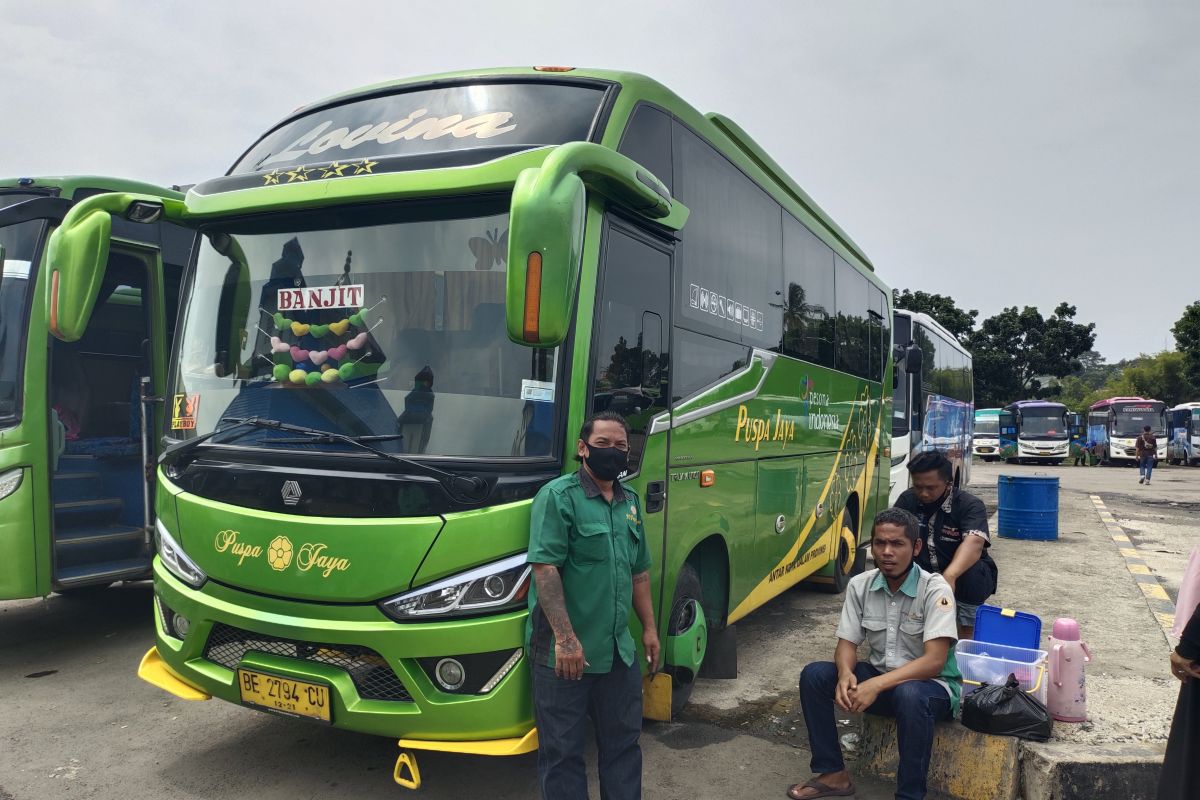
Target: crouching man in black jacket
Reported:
point(954, 528)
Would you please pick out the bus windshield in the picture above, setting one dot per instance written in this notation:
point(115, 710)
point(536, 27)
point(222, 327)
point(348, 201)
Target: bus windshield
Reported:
point(19, 243)
point(385, 322)
point(1129, 422)
point(1043, 424)
point(986, 427)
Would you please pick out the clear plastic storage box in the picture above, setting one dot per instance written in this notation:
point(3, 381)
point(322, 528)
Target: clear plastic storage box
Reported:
point(988, 662)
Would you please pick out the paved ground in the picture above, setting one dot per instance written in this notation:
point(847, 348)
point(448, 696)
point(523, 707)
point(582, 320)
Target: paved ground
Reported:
point(77, 723)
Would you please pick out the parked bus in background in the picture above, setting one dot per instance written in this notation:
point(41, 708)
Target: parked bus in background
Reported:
point(404, 303)
point(985, 439)
point(74, 498)
point(1042, 432)
point(1114, 425)
point(1183, 434)
point(933, 402)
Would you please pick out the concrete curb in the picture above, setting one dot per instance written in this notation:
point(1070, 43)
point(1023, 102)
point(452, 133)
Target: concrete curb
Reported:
point(966, 765)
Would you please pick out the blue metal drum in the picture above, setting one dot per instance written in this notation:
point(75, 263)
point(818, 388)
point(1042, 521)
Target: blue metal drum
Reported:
point(1028, 507)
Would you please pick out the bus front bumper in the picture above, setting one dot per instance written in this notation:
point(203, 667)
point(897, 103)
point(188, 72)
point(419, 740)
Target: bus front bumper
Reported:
point(380, 674)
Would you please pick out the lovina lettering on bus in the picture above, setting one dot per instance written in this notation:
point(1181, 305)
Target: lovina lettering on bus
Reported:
point(320, 138)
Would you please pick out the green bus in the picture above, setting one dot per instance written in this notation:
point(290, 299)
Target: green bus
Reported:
point(403, 303)
point(75, 467)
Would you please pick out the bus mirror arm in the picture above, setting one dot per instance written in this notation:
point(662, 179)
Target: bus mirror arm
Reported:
point(78, 253)
point(546, 227)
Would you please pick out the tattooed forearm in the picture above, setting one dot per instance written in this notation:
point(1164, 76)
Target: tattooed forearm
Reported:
point(643, 605)
point(554, 604)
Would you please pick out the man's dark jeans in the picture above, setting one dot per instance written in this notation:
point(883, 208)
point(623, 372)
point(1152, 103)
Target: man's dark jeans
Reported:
point(916, 705)
point(561, 707)
point(1145, 466)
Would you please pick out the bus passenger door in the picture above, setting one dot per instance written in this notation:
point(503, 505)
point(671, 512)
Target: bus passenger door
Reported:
point(1008, 434)
point(629, 368)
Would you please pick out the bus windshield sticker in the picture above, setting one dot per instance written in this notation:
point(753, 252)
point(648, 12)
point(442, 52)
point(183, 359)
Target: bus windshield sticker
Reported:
point(183, 412)
point(725, 308)
point(318, 297)
point(347, 139)
point(537, 391)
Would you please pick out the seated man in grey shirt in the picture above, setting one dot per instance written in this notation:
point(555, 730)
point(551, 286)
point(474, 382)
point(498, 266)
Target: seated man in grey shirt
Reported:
point(907, 617)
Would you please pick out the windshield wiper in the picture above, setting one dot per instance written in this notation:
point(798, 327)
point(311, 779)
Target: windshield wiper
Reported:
point(463, 488)
point(184, 447)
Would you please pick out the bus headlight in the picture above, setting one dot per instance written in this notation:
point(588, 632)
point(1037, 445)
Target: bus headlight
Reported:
point(500, 586)
point(175, 560)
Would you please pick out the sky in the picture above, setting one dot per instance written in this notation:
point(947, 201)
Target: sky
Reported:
point(1004, 154)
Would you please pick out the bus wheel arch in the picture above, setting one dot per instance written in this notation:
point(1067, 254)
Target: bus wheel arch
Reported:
point(848, 557)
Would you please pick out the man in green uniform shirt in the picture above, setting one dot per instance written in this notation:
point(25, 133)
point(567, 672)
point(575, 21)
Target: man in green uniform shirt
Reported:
point(590, 565)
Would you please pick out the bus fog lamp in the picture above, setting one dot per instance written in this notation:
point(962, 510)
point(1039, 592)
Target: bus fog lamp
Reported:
point(10, 482)
point(450, 674)
point(181, 625)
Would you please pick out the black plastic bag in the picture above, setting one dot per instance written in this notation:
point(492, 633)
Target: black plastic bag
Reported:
point(1006, 711)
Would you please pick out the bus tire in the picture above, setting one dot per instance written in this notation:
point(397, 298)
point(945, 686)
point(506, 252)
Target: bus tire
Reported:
point(687, 610)
point(848, 564)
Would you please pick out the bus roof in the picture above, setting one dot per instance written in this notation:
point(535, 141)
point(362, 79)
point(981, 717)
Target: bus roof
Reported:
point(68, 185)
point(930, 322)
point(1112, 401)
point(632, 88)
point(1035, 404)
point(1186, 406)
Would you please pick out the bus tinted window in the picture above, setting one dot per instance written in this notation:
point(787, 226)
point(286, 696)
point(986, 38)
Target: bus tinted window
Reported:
point(629, 365)
point(880, 335)
point(647, 140)
point(702, 360)
point(729, 258)
point(496, 116)
point(808, 299)
point(852, 330)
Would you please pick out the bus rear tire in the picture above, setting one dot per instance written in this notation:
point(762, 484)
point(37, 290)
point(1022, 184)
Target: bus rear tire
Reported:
point(689, 596)
point(847, 565)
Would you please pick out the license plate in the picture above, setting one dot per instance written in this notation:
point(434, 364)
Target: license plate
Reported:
point(985, 449)
point(284, 694)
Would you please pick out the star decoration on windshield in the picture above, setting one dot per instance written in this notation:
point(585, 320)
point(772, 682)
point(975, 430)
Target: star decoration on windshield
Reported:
point(364, 166)
point(298, 174)
point(334, 169)
point(271, 177)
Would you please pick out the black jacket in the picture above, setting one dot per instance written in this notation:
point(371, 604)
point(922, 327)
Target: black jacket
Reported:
point(943, 528)
point(1180, 770)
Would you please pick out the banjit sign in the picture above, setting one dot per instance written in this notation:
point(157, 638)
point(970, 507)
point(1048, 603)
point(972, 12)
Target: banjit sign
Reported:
point(320, 297)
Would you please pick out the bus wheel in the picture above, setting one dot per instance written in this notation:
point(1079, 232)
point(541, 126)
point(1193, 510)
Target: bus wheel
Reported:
point(687, 637)
point(851, 559)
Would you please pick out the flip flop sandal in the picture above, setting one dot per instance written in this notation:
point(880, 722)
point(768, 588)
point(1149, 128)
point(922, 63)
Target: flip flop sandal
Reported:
point(823, 790)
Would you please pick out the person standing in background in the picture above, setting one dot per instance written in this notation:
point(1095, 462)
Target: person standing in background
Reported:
point(1147, 449)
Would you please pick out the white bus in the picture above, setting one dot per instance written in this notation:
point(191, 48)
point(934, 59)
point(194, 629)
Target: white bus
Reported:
point(933, 405)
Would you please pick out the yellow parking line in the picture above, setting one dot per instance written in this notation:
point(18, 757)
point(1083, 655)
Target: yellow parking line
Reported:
point(1157, 599)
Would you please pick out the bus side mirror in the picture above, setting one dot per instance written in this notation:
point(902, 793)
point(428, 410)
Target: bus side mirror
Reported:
point(78, 254)
point(546, 227)
point(914, 360)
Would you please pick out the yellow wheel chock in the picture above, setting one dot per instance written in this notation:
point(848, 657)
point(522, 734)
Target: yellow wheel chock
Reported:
point(406, 762)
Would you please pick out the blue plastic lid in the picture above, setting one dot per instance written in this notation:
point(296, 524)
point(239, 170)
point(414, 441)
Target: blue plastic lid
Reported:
point(1007, 626)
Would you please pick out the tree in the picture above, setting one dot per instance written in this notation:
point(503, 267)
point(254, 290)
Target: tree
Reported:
point(1187, 337)
point(940, 307)
point(1015, 347)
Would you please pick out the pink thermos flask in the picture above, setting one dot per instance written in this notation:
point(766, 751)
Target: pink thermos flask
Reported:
point(1067, 695)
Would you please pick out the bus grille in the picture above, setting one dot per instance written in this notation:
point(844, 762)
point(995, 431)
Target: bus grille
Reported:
point(372, 676)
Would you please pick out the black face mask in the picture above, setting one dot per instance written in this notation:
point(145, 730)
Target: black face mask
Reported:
point(606, 463)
